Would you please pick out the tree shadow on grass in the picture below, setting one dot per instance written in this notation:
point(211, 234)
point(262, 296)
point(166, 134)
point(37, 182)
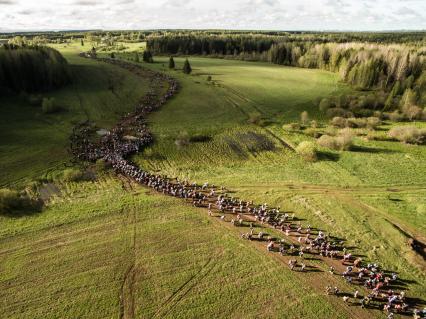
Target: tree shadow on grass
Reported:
point(364, 149)
point(30, 207)
point(328, 156)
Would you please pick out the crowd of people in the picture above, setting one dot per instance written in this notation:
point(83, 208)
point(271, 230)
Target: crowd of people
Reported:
point(131, 134)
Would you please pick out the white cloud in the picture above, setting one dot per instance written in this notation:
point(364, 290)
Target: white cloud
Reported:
point(199, 14)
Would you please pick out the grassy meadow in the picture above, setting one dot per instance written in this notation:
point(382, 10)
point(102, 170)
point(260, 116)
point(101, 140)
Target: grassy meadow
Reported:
point(112, 249)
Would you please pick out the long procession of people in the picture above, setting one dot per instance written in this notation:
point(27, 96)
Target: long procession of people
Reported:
point(131, 134)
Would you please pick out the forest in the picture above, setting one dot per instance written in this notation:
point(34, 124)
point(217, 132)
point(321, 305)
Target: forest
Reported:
point(364, 65)
point(32, 69)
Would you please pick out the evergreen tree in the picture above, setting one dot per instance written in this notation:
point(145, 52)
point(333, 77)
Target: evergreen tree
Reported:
point(112, 55)
point(147, 57)
point(171, 63)
point(187, 67)
point(82, 43)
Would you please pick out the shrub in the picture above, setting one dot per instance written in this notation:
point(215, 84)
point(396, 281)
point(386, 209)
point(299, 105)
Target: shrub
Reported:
point(72, 175)
point(408, 134)
point(49, 105)
point(338, 122)
point(324, 105)
point(413, 112)
point(209, 78)
point(396, 116)
point(345, 139)
point(304, 117)
point(373, 122)
point(308, 151)
point(328, 141)
point(182, 140)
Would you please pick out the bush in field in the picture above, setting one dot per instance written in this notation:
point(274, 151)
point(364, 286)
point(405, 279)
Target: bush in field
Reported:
point(209, 78)
point(72, 175)
point(182, 140)
point(49, 105)
point(324, 105)
point(413, 112)
point(408, 134)
point(345, 139)
point(304, 117)
point(328, 141)
point(373, 122)
point(338, 121)
point(308, 151)
point(342, 142)
point(396, 116)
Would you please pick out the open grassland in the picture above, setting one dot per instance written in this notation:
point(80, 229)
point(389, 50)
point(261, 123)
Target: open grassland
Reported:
point(374, 195)
point(104, 251)
point(111, 249)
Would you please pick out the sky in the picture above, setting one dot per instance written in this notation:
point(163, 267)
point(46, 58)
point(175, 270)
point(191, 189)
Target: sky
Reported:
point(323, 15)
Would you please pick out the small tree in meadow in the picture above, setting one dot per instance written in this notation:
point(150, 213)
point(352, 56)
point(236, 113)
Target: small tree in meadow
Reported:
point(82, 43)
point(307, 150)
point(147, 56)
point(187, 67)
point(171, 63)
point(304, 117)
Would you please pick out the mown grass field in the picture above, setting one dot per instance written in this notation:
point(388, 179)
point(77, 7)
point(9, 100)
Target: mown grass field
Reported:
point(111, 249)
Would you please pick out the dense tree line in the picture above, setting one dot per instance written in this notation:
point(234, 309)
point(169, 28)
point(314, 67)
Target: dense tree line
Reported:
point(32, 68)
point(392, 68)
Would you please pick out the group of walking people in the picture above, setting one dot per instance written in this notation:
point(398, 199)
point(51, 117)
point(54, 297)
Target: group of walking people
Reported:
point(131, 134)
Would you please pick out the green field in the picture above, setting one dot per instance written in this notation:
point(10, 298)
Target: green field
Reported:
point(111, 249)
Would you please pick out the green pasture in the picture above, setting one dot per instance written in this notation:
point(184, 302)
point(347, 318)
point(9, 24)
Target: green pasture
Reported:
point(104, 249)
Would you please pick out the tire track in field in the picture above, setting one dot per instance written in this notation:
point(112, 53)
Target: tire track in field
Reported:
point(126, 296)
point(184, 289)
point(283, 143)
